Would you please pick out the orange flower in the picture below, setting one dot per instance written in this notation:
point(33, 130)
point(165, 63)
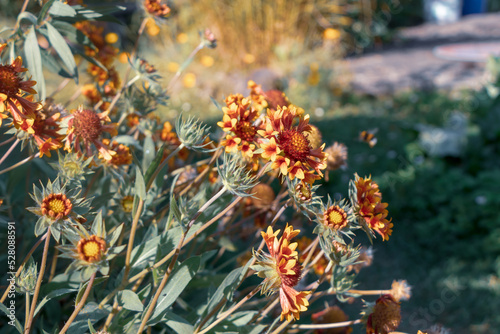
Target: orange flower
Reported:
point(370, 207)
point(282, 271)
point(85, 127)
point(231, 143)
point(56, 206)
point(156, 8)
point(335, 217)
point(42, 125)
point(11, 87)
point(91, 250)
point(122, 156)
point(292, 143)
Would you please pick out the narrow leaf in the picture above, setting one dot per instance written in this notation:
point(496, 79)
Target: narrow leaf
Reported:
point(130, 301)
point(63, 50)
point(140, 186)
point(34, 61)
point(177, 282)
point(61, 9)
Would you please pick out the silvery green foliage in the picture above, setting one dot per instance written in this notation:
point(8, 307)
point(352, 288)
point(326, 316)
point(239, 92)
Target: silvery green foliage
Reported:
point(193, 133)
point(72, 168)
point(235, 176)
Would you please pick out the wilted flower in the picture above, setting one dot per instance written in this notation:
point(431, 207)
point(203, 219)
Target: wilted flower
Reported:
point(209, 39)
point(282, 271)
point(86, 127)
point(385, 316)
point(400, 290)
point(331, 314)
point(314, 136)
point(337, 156)
point(262, 195)
point(372, 213)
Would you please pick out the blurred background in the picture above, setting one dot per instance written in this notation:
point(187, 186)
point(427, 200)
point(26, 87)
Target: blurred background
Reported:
point(415, 73)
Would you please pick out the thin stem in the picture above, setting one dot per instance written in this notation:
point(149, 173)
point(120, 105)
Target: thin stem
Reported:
point(230, 311)
point(27, 308)
point(53, 265)
point(187, 61)
point(176, 255)
point(9, 151)
point(131, 239)
point(132, 56)
point(8, 141)
point(27, 329)
point(331, 325)
point(169, 255)
point(22, 162)
point(80, 304)
point(26, 258)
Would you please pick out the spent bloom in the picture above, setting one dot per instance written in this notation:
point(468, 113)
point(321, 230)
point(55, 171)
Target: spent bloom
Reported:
point(85, 127)
point(331, 314)
point(156, 8)
point(281, 271)
point(385, 316)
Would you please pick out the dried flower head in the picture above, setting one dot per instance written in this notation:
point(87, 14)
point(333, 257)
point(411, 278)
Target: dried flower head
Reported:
point(282, 271)
point(86, 127)
point(331, 314)
point(263, 195)
point(337, 156)
point(385, 316)
point(315, 137)
point(400, 290)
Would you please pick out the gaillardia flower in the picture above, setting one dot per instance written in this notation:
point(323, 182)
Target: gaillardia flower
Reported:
point(12, 87)
point(367, 201)
point(385, 316)
point(57, 207)
point(281, 271)
point(84, 128)
point(91, 250)
point(288, 146)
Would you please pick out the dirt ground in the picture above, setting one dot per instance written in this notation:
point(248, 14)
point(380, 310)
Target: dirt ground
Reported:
point(410, 62)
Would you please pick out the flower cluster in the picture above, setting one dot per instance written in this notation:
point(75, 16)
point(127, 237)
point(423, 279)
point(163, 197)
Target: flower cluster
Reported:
point(281, 271)
point(369, 208)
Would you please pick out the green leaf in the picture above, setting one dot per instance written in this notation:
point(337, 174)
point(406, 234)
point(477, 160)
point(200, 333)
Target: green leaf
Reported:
point(148, 151)
point(34, 61)
point(140, 186)
point(61, 9)
point(145, 252)
point(44, 10)
point(154, 165)
point(74, 35)
point(27, 16)
point(177, 282)
point(53, 294)
point(97, 281)
point(63, 50)
point(53, 65)
point(177, 323)
point(91, 328)
point(130, 301)
point(5, 310)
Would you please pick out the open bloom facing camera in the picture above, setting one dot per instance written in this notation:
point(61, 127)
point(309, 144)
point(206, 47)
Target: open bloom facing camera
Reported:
point(281, 271)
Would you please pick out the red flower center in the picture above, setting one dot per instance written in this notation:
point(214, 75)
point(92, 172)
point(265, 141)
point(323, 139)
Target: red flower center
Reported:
point(10, 83)
point(295, 144)
point(87, 124)
point(245, 131)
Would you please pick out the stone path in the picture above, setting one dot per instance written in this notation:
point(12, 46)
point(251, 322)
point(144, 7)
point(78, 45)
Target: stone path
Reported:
point(410, 63)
